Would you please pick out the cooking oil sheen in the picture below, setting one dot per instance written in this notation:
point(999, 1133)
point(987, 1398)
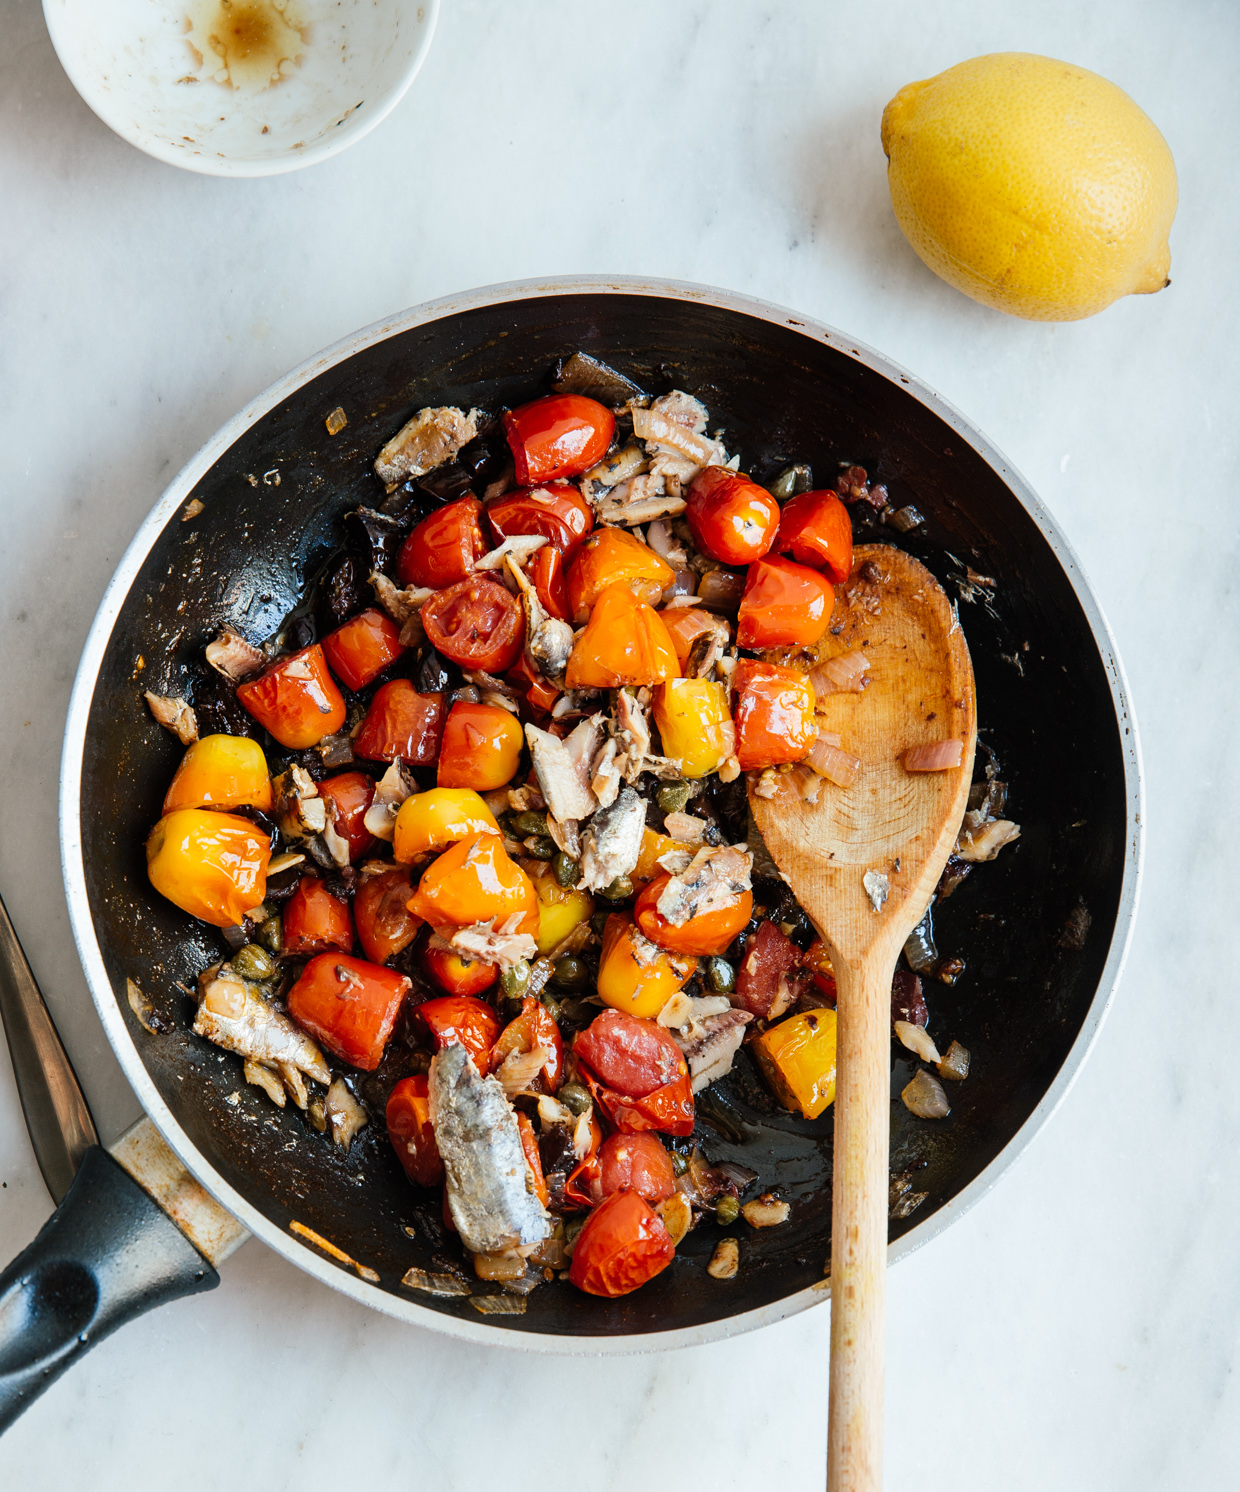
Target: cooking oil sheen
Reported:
point(247, 45)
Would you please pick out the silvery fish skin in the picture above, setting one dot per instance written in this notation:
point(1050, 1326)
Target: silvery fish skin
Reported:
point(234, 1015)
point(489, 1184)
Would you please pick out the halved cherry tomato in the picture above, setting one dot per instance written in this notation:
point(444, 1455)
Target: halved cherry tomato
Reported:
point(462, 1018)
point(385, 926)
point(731, 518)
point(409, 1128)
point(401, 723)
point(559, 513)
point(815, 528)
point(221, 772)
point(622, 1245)
point(529, 1148)
point(633, 977)
point(546, 573)
point(481, 747)
point(539, 692)
point(556, 437)
point(456, 973)
point(668, 1109)
point(633, 1056)
point(349, 1006)
point(349, 795)
point(625, 642)
point(442, 549)
point(636, 1163)
point(476, 623)
point(315, 921)
point(774, 713)
point(534, 1027)
point(473, 881)
point(296, 699)
point(211, 865)
point(762, 978)
point(784, 605)
point(437, 818)
point(706, 934)
point(360, 650)
point(613, 556)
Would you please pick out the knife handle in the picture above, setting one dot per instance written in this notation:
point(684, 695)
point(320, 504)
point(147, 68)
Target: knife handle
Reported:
point(107, 1254)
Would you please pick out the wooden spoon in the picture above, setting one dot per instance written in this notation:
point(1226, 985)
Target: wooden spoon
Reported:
point(896, 830)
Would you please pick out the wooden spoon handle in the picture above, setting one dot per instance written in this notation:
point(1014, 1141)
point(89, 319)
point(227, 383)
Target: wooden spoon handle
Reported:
point(859, 1224)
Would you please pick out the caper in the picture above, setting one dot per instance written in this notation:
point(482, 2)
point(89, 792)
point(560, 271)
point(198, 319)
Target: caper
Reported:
point(541, 847)
point(575, 1098)
point(720, 975)
point(552, 1006)
point(567, 871)
point(530, 823)
point(515, 979)
point(253, 962)
point(672, 796)
point(569, 972)
point(598, 923)
point(619, 890)
point(270, 934)
point(790, 481)
point(727, 1209)
point(680, 1163)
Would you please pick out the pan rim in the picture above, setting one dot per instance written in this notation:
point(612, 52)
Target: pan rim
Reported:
point(163, 512)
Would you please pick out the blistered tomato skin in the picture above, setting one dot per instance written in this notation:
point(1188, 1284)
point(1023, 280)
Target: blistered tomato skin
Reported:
point(296, 699)
point(731, 518)
point(773, 708)
point(211, 865)
point(613, 556)
point(457, 974)
point(534, 1027)
point(557, 513)
point(401, 723)
point(815, 529)
point(473, 881)
point(348, 796)
point(797, 1057)
point(625, 642)
point(636, 1163)
point(462, 1018)
point(481, 747)
point(409, 1128)
point(359, 651)
point(437, 818)
point(557, 437)
point(221, 772)
point(315, 921)
point(622, 1245)
point(443, 547)
point(385, 926)
point(784, 605)
point(349, 1006)
point(635, 1057)
point(476, 623)
point(695, 724)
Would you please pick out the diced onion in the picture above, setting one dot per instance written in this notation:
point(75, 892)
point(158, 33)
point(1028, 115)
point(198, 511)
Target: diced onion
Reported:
point(955, 1063)
point(829, 761)
point(848, 672)
point(916, 1039)
point(925, 1097)
point(935, 756)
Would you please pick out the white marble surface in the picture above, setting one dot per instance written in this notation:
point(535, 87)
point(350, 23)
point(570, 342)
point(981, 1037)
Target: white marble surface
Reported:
point(1078, 1329)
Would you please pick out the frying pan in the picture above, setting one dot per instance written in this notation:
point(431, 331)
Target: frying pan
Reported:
point(1043, 930)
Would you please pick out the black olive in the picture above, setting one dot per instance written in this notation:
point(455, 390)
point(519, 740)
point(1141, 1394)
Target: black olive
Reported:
point(446, 483)
point(435, 675)
point(378, 536)
point(344, 591)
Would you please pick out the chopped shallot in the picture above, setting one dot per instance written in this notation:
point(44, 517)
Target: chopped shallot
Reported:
point(916, 1039)
point(954, 1063)
point(983, 841)
point(934, 756)
point(924, 1097)
point(830, 761)
point(849, 672)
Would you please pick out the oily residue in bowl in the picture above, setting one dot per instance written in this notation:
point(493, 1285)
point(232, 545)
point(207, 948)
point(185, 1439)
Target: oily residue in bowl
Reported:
point(247, 45)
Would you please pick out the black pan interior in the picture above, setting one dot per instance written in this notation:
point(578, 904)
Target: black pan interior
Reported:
point(271, 510)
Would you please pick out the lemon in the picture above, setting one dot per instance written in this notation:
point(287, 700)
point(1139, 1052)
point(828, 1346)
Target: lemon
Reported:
point(1034, 186)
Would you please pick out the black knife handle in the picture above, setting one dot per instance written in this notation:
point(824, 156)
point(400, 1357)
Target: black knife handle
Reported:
point(106, 1255)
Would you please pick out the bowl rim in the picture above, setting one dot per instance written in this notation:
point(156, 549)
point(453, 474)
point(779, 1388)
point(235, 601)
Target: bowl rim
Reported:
point(55, 14)
point(106, 1001)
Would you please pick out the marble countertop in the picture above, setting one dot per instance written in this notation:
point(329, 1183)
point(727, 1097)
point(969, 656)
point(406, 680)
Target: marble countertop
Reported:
point(1078, 1328)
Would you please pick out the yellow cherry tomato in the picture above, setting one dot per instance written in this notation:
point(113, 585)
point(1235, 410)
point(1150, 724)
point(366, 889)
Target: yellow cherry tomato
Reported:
point(212, 865)
point(481, 747)
point(696, 724)
point(221, 772)
point(435, 819)
point(654, 845)
point(634, 975)
point(560, 909)
point(798, 1059)
point(475, 880)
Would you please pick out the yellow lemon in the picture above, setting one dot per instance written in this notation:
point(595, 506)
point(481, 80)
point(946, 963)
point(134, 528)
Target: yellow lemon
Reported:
point(1032, 185)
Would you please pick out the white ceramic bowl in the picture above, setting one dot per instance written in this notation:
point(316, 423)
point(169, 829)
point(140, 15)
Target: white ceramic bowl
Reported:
point(134, 63)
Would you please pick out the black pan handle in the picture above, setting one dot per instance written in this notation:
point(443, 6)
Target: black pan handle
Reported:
point(106, 1255)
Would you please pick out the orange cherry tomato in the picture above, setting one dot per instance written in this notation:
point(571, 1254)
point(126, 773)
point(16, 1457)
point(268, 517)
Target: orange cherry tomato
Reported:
point(706, 934)
point(529, 1147)
point(349, 1006)
point(611, 556)
point(539, 692)
point(685, 624)
point(348, 796)
point(473, 881)
point(211, 865)
point(296, 699)
point(546, 573)
point(462, 1018)
point(559, 513)
point(731, 518)
point(534, 1027)
point(442, 549)
point(481, 747)
point(409, 1128)
point(556, 437)
point(360, 650)
point(221, 772)
point(315, 921)
point(401, 723)
point(774, 713)
point(636, 1163)
point(477, 624)
point(622, 1245)
point(625, 642)
point(784, 605)
point(385, 926)
point(815, 528)
point(634, 978)
point(456, 973)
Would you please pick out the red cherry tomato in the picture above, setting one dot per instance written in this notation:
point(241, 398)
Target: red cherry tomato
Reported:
point(401, 723)
point(769, 958)
point(731, 518)
point(529, 1147)
point(539, 692)
point(409, 1129)
point(534, 1027)
point(559, 436)
point(467, 1020)
point(546, 573)
point(630, 1055)
point(668, 1109)
point(706, 934)
point(773, 708)
point(315, 921)
point(784, 605)
point(583, 1188)
point(559, 513)
point(443, 547)
point(458, 975)
point(349, 1006)
point(481, 747)
point(477, 624)
point(818, 962)
point(385, 925)
point(636, 1163)
point(348, 796)
point(622, 1245)
point(296, 699)
point(360, 650)
point(815, 528)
